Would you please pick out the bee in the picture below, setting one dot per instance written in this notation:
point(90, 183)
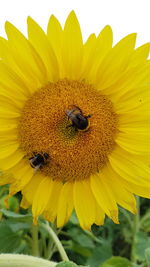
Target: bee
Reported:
point(38, 160)
point(79, 121)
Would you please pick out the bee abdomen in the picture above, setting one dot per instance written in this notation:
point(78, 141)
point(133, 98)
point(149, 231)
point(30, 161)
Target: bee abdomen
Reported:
point(38, 160)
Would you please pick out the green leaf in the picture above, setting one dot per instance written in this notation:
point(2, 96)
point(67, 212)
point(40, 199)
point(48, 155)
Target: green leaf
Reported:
point(16, 216)
point(81, 238)
point(147, 256)
point(141, 244)
point(13, 204)
point(144, 223)
point(74, 219)
point(17, 226)
point(117, 262)
point(100, 254)
point(66, 264)
point(9, 241)
point(81, 250)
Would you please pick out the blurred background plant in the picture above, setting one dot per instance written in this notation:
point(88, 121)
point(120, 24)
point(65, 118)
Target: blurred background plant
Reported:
point(123, 245)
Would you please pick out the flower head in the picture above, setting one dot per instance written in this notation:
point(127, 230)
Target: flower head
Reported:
point(74, 121)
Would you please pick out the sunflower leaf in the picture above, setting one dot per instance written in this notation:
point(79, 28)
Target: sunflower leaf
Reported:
point(142, 243)
point(17, 216)
point(117, 262)
point(67, 264)
point(147, 256)
point(9, 240)
point(100, 254)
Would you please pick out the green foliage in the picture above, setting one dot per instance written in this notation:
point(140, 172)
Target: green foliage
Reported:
point(16, 216)
point(147, 255)
point(111, 245)
point(100, 254)
point(141, 244)
point(67, 264)
point(117, 262)
point(9, 239)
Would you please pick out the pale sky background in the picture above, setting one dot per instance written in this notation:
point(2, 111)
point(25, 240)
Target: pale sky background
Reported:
point(124, 16)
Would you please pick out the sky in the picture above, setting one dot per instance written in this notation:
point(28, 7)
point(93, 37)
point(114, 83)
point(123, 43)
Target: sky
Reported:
point(124, 16)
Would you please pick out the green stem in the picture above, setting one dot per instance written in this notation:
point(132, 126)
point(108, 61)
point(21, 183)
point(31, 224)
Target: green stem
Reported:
point(51, 251)
point(56, 241)
point(14, 260)
point(35, 245)
point(135, 230)
point(90, 234)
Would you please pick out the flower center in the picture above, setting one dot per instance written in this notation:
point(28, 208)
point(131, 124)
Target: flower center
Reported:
point(48, 125)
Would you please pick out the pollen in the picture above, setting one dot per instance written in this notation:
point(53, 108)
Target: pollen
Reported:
point(44, 127)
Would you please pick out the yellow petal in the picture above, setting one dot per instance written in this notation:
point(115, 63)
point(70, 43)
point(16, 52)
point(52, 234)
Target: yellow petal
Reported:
point(72, 48)
point(30, 189)
point(7, 125)
point(11, 80)
point(84, 203)
point(6, 178)
point(41, 197)
point(130, 78)
point(8, 137)
point(9, 103)
point(8, 113)
point(140, 190)
point(40, 42)
point(137, 76)
point(11, 94)
point(140, 55)
point(88, 53)
point(104, 196)
point(136, 143)
point(52, 205)
point(123, 197)
point(131, 119)
point(24, 203)
point(14, 188)
point(54, 34)
point(115, 62)
point(99, 214)
point(11, 160)
point(135, 100)
point(65, 204)
point(26, 57)
point(132, 169)
point(102, 47)
point(23, 172)
point(6, 54)
point(7, 150)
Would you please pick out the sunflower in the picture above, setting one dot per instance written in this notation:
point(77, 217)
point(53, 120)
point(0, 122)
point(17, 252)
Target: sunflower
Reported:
point(75, 121)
